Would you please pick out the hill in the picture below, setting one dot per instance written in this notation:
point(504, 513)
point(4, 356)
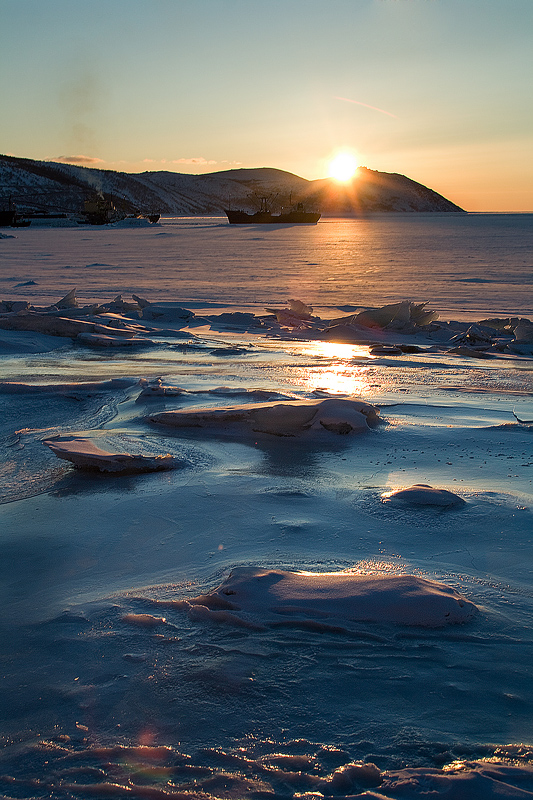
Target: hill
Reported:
point(51, 187)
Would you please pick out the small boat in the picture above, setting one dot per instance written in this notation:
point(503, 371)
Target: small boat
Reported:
point(296, 216)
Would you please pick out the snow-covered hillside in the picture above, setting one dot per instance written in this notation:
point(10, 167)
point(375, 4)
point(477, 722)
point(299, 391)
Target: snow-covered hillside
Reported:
point(53, 187)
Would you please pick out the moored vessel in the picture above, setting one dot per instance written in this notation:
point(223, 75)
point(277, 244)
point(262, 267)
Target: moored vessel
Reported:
point(10, 218)
point(296, 216)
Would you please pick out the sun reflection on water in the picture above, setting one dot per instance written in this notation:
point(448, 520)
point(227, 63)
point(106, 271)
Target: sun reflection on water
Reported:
point(336, 350)
point(339, 373)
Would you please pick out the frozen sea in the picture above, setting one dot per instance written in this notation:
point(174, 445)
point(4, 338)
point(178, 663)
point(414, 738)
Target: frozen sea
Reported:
point(125, 671)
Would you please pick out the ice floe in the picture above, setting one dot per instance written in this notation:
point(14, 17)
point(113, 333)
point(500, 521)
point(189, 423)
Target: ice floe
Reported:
point(469, 352)
point(158, 388)
point(60, 326)
point(167, 312)
point(280, 419)
point(297, 315)
point(236, 320)
point(400, 316)
point(84, 454)
point(329, 598)
point(384, 326)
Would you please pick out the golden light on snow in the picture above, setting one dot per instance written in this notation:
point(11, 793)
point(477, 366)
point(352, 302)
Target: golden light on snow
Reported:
point(386, 495)
point(343, 166)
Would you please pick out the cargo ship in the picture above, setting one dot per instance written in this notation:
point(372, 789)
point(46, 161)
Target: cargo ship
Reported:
point(296, 216)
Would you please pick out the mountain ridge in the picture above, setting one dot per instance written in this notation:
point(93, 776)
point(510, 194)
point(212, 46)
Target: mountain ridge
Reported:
point(57, 187)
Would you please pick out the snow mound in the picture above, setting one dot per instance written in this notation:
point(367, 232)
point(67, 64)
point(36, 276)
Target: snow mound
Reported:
point(423, 495)
point(281, 419)
point(84, 454)
point(334, 596)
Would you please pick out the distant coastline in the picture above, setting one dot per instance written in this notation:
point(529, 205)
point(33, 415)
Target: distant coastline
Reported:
point(51, 187)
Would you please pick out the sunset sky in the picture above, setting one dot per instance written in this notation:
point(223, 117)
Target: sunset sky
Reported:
point(438, 90)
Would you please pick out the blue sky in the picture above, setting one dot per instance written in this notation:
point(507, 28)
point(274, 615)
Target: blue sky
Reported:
point(439, 90)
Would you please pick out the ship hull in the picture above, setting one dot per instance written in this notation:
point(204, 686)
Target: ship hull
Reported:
point(266, 218)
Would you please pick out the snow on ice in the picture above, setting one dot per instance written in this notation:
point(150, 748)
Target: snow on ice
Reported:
point(337, 597)
point(335, 566)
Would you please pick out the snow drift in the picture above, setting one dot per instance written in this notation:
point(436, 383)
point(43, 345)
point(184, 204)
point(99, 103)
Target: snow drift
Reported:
point(335, 596)
point(280, 419)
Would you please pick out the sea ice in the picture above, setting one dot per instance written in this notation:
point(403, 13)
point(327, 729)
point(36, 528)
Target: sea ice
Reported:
point(167, 312)
point(337, 596)
point(84, 454)
point(347, 333)
point(295, 316)
point(67, 389)
point(469, 352)
point(405, 698)
point(235, 320)
point(61, 326)
point(158, 388)
point(104, 340)
point(144, 620)
point(398, 316)
point(68, 301)
point(280, 419)
point(28, 342)
point(524, 331)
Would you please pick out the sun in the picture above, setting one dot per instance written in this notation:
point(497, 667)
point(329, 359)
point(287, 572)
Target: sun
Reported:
point(343, 166)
